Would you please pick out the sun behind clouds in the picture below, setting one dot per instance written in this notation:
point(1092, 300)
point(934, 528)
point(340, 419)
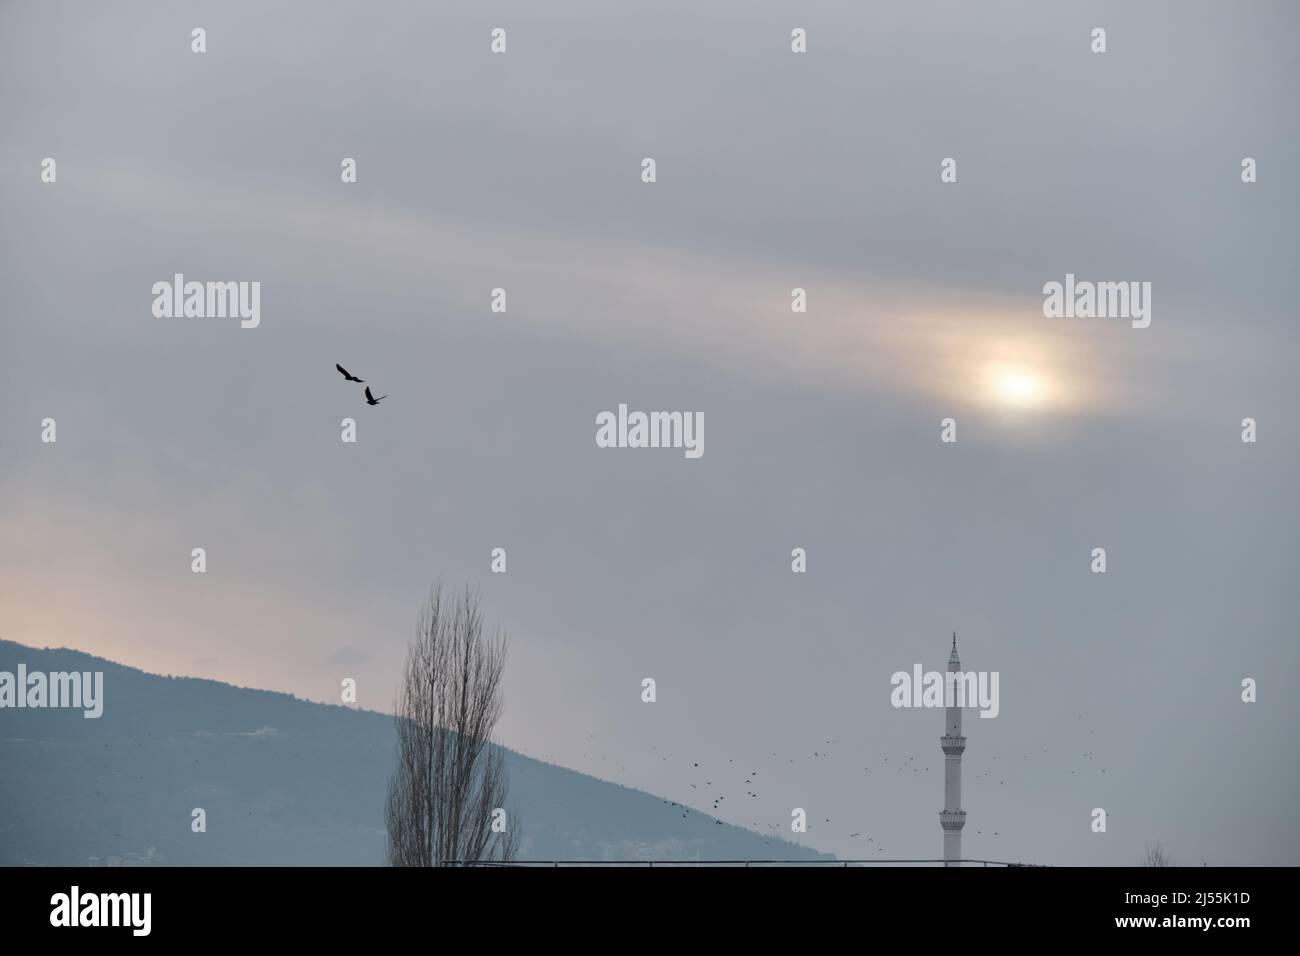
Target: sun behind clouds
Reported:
point(1018, 387)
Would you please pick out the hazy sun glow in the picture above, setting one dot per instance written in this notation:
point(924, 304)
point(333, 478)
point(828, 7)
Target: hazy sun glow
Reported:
point(1017, 385)
point(1018, 388)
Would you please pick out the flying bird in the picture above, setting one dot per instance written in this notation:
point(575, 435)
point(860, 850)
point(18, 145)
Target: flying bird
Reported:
point(346, 374)
point(371, 400)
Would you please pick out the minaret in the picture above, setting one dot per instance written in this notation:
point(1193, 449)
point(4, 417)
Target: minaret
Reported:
point(952, 817)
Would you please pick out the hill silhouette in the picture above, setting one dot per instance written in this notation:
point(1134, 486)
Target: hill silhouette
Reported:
point(283, 781)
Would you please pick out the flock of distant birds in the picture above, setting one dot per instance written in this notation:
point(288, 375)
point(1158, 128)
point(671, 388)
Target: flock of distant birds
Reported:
point(777, 830)
point(370, 399)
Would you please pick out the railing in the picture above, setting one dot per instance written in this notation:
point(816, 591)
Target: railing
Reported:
point(739, 863)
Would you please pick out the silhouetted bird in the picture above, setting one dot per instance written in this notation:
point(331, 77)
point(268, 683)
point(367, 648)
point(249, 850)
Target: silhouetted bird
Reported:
point(346, 374)
point(371, 400)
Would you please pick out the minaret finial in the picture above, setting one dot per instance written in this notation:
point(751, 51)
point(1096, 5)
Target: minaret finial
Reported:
point(954, 640)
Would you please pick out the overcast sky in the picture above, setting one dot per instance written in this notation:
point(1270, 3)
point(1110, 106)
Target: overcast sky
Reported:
point(774, 170)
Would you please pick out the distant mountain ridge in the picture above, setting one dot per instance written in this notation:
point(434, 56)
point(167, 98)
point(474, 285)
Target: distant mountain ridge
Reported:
point(283, 781)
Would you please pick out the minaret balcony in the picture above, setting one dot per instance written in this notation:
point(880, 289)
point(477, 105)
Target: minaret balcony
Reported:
point(952, 745)
point(952, 819)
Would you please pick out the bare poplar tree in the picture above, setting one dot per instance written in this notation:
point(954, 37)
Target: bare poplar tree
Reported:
point(449, 778)
point(1155, 856)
